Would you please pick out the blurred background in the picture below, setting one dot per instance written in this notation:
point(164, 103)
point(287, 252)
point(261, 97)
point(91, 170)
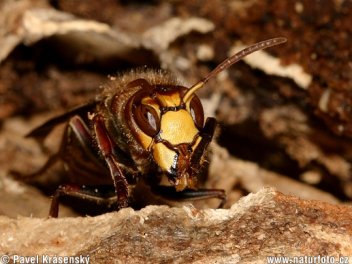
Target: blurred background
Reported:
point(285, 115)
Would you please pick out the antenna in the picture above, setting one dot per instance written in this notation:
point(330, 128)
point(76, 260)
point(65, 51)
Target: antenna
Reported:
point(232, 60)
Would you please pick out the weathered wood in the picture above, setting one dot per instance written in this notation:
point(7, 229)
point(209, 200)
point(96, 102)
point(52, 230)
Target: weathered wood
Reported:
point(264, 224)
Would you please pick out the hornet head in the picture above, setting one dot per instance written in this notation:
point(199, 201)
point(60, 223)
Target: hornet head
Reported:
point(168, 122)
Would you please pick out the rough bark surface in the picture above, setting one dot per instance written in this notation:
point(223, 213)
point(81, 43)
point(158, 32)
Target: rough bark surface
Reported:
point(264, 224)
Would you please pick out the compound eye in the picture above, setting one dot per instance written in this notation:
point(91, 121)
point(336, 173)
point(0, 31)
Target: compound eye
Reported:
point(197, 113)
point(147, 119)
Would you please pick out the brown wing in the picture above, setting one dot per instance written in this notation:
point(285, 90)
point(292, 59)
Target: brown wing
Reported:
point(43, 130)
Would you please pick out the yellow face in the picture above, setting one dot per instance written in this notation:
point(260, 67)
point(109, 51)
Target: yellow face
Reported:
point(178, 129)
point(169, 129)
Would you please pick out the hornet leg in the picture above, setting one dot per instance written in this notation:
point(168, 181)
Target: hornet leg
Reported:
point(98, 194)
point(170, 193)
point(106, 147)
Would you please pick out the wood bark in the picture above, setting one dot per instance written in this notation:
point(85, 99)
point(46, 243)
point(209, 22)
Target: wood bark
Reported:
point(260, 225)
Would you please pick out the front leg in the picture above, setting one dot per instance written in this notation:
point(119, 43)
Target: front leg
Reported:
point(106, 147)
point(169, 192)
point(102, 195)
point(206, 134)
